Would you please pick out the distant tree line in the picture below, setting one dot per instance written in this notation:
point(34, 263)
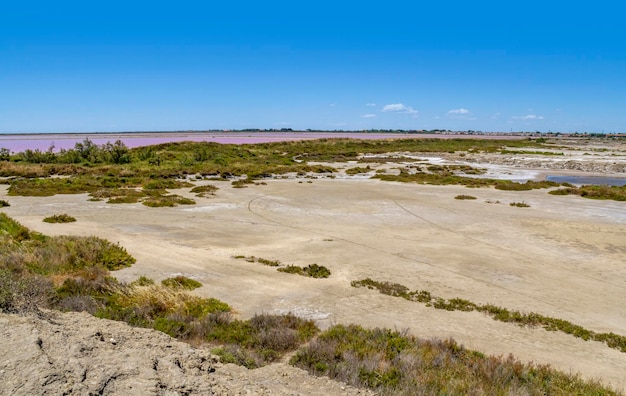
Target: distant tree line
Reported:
point(83, 152)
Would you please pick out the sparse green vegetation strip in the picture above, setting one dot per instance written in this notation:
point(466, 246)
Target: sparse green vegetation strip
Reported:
point(615, 193)
point(462, 197)
point(395, 363)
point(613, 340)
point(531, 152)
point(312, 270)
point(90, 167)
point(60, 218)
point(444, 176)
point(100, 169)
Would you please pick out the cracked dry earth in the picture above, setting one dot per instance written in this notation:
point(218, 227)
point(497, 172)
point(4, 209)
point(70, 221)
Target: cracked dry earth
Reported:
point(74, 353)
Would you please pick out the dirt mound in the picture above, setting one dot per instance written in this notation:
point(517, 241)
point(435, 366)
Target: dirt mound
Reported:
point(75, 353)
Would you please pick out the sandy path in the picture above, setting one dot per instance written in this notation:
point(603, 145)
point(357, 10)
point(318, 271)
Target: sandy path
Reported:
point(563, 257)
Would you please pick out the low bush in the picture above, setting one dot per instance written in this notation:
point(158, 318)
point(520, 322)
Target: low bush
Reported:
point(509, 185)
point(260, 340)
point(271, 263)
point(615, 193)
point(357, 170)
point(61, 218)
point(167, 201)
point(204, 191)
point(3, 203)
point(312, 270)
point(520, 204)
point(142, 281)
point(465, 197)
point(395, 363)
point(181, 283)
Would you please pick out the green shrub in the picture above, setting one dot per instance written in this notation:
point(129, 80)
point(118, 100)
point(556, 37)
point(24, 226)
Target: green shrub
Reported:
point(142, 281)
point(61, 218)
point(292, 269)
point(616, 193)
point(357, 170)
point(312, 270)
point(260, 340)
point(464, 197)
point(520, 204)
point(167, 201)
point(181, 283)
point(204, 191)
point(529, 185)
point(13, 229)
point(4, 203)
point(271, 263)
point(392, 362)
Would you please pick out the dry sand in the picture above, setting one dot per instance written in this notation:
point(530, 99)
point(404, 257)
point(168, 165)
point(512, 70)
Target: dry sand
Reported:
point(564, 257)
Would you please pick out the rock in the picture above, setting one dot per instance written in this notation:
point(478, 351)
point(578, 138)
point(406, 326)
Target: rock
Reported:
point(75, 353)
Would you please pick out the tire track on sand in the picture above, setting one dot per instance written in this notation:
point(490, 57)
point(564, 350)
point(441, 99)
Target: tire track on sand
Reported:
point(363, 245)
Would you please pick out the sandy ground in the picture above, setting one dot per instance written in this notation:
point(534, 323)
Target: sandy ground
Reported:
point(564, 257)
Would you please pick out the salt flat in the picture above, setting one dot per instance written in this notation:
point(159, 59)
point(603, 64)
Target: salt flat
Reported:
point(562, 257)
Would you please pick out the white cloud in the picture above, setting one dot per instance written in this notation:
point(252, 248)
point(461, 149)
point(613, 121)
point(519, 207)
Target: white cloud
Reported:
point(459, 112)
point(398, 108)
point(370, 104)
point(528, 117)
point(368, 115)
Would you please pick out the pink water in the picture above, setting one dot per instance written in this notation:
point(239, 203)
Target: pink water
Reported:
point(19, 143)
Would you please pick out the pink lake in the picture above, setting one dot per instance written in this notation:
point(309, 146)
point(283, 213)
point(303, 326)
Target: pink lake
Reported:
point(19, 142)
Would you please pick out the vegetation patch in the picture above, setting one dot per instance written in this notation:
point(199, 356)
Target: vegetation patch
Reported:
point(357, 170)
point(60, 218)
point(204, 191)
point(395, 363)
point(4, 203)
point(260, 340)
point(615, 193)
point(613, 340)
point(167, 201)
point(181, 282)
point(253, 259)
point(509, 185)
point(72, 274)
point(312, 270)
point(520, 204)
point(465, 197)
point(531, 152)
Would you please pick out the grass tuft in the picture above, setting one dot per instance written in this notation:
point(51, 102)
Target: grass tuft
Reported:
point(60, 218)
point(181, 283)
point(312, 270)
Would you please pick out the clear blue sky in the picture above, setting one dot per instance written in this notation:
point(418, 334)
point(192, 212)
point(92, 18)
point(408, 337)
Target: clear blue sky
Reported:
point(84, 66)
